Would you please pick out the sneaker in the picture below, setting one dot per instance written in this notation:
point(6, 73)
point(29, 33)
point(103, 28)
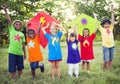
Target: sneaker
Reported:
point(42, 69)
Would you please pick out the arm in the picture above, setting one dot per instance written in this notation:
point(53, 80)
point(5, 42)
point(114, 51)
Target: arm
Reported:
point(97, 24)
point(43, 28)
point(23, 47)
point(59, 27)
point(39, 26)
point(69, 32)
point(26, 25)
point(76, 31)
point(6, 14)
point(74, 28)
point(112, 15)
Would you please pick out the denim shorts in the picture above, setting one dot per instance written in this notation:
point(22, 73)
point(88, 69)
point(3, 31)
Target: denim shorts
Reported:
point(15, 62)
point(108, 54)
point(34, 65)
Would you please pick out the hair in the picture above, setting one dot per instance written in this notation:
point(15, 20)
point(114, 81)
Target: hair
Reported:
point(105, 21)
point(88, 31)
point(31, 30)
point(73, 35)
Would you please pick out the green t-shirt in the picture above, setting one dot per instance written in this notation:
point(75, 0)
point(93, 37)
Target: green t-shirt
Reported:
point(16, 40)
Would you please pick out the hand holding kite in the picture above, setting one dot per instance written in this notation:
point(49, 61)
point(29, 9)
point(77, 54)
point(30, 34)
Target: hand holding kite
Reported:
point(85, 21)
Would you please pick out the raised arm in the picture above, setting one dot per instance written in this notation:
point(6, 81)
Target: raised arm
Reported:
point(6, 14)
point(62, 29)
point(76, 31)
point(97, 24)
point(39, 26)
point(69, 32)
point(112, 15)
point(43, 28)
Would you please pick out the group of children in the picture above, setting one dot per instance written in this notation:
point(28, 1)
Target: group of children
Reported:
point(17, 47)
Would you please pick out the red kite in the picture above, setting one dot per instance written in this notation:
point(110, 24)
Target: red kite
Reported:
point(44, 19)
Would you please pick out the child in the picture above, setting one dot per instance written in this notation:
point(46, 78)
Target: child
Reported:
point(86, 42)
point(16, 47)
point(73, 58)
point(34, 51)
point(108, 40)
point(55, 54)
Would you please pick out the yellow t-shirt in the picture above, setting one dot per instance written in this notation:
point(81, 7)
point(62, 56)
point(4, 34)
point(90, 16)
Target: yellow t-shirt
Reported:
point(107, 36)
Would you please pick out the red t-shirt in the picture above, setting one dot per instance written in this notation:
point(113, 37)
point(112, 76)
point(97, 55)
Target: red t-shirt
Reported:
point(86, 47)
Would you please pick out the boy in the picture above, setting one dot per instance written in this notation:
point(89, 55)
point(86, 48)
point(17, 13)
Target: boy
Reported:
point(16, 47)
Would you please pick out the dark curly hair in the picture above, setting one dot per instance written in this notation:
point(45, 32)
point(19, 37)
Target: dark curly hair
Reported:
point(105, 21)
point(31, 30)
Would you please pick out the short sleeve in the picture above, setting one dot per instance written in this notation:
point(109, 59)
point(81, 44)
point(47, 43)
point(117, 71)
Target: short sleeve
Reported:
point(93, 36)
point(111, 26)
point(23, 38)
point(60, 34)
point(11, 28)
point(37, 38)
point(27, 39)
point(76, 41)
point(47, 35)
point(67, 40)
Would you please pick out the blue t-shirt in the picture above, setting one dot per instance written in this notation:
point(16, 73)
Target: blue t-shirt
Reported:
point(54, 46)
point(73, 53)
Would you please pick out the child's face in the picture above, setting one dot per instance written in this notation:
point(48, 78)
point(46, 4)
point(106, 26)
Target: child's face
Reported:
point(53, 30)
point(106, 25)
point(31, 34)
point(72, 39)
point(85, 33)
point(17, 25)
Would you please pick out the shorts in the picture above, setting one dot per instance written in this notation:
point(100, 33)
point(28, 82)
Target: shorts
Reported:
point(108, 54)
point(15, 62)
point(34, 65)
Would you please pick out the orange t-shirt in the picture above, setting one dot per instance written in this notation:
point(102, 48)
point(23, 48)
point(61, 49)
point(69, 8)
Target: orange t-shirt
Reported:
point(34, 49)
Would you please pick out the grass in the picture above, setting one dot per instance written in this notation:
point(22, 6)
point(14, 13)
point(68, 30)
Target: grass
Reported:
point(96, 76)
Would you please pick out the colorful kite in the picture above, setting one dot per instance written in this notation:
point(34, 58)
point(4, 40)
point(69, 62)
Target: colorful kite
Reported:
point(85, 21)
point(44, 19)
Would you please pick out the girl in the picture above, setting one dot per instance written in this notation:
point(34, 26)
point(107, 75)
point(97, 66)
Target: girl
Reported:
point(107, 40)
point(73, 58)
point(34, 51)
point(16, 47)
point(86, 42)
point(55, 54)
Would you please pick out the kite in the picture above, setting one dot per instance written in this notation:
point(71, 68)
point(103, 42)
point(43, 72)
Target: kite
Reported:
point(44, 19)
point(85, 21)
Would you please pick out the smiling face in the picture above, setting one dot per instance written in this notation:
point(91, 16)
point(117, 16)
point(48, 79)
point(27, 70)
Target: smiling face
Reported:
point(86, 32)
point(31, 34)
point(17, 25)
point(106, 25)
point(53, 30)
point(72, 37)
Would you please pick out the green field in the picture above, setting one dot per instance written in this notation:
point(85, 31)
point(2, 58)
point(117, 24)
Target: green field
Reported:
point(96, 76)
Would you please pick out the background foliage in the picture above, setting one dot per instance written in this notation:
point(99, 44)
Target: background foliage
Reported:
point(63, 10)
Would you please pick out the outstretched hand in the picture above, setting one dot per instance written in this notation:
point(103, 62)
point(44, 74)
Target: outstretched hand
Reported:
point(112, 8)
point(4, 6)
point(95, 15)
